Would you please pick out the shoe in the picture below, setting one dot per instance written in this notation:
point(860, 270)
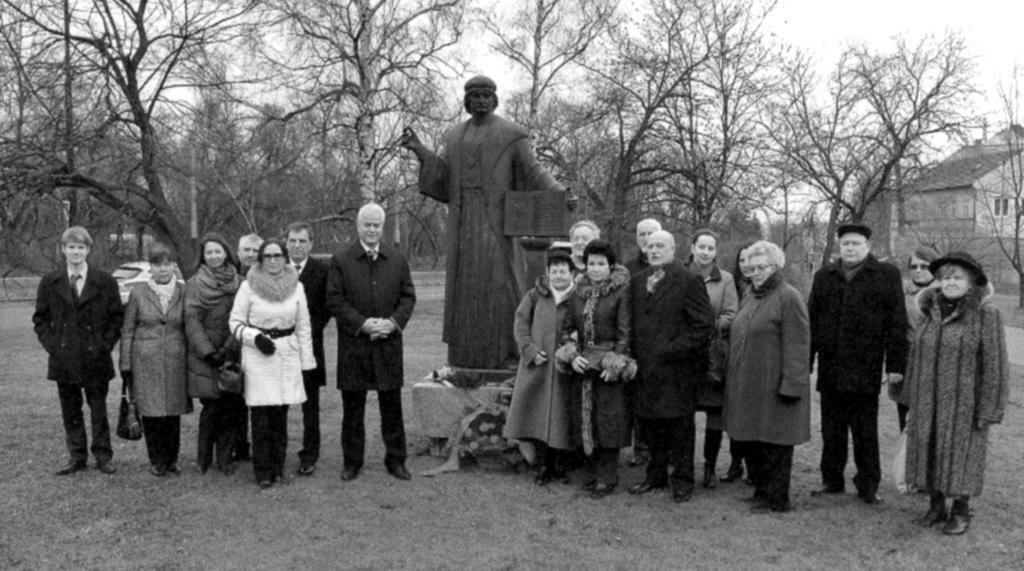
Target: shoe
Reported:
point(765, 507)
point(589, 486)
point(306, 469)
point(710, 478)
point(601, 490)
point(544, 476)
point(932, 517)
point(827, 491)
point(106, 468)
point(158, 470)
point(349, 474)
point(399, 471)
point(735, 473)
point(264, 484)
point(870, 498)
point(645, 486)
point(280, 479)
point(172, 468)
point(227, 468)
point(957, 524)
point(72, 467)
point(679, 495)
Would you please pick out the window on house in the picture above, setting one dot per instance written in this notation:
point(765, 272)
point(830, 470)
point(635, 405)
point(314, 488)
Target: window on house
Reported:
point(1001, 206)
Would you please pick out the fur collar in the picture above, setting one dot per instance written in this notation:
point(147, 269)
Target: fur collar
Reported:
point(618, 279)
point(928, 299)
point(273, 288)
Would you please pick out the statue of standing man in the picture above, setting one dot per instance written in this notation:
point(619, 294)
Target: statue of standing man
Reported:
point(483, 159)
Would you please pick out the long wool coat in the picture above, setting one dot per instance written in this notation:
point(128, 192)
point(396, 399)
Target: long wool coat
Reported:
point(207, 330)
point(540, 400)
point(724, 303)
point(263, 303)
point(670, 333)
point(358, 289)
point(78, 336)
point(768, 347)
point(958, 376)
point(609, 320)
point(858, 326)
point(479, 165)
point(153, 349)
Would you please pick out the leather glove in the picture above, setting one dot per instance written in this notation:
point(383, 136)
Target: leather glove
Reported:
point(787, 399)
point(214, 359)
point(265, 344)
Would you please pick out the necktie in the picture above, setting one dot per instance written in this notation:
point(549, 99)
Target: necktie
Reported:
point(74, 286)
point(654, 278)
point(298, 268)
point(372, 255)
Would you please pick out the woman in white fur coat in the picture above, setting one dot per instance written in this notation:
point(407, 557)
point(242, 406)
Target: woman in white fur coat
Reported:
point(271, 320)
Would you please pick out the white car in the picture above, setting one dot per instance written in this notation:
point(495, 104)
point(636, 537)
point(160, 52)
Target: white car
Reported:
point(131, 273)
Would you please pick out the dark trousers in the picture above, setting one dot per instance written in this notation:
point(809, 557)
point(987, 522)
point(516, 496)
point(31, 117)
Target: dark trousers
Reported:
point(602, 466)
point(72, 397)
point(163, 439)
point(269, 440)
point(310, 452)
point(671, 440)
point(770, 467)
point(353, 429)
point(240, 432)
point(857, 414)
point(218, 423)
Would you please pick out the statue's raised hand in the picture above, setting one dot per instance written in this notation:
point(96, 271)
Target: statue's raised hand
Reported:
point(409, 140)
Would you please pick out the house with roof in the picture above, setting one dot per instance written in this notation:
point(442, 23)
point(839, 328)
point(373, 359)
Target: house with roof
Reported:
point(971, 201)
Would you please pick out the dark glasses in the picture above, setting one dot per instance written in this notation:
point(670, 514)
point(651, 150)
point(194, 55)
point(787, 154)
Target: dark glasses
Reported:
point(272, 256)
point(919, 266)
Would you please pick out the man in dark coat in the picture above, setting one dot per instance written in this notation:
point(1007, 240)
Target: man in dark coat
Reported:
point(672, 324)
point(371, 296)
point(78, 321)
point(858, 323)
point(313, 276)
point(644, 228)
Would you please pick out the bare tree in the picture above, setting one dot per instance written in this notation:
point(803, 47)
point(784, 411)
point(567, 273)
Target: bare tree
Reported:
point(136, 52)
point(880, 110)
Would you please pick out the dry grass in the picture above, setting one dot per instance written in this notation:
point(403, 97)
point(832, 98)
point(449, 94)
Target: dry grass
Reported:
point(472, 519)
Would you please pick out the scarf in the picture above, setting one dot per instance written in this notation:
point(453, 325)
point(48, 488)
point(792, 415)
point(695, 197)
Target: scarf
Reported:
point(214, 283)
point(768, 285)
point(273, 288)
point(164, 292)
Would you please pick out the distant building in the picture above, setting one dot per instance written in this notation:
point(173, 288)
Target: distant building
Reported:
point(967, 201)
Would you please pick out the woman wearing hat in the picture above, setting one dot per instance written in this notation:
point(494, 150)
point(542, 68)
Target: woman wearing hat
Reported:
point(956, 388)
point(538, 415)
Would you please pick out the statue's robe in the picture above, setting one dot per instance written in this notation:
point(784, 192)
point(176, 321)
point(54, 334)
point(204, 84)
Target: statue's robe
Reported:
point(486, 271)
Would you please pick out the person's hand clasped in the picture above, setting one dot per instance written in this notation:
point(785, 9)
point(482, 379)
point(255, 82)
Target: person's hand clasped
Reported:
point(579, 364)
point(378, 328)
point(540, 358)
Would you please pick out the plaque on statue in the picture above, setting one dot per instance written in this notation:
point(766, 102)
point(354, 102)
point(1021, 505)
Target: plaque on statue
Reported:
point(536, 213)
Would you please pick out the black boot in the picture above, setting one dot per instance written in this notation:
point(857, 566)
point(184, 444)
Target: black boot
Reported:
point(959, 518)
point(936, 513)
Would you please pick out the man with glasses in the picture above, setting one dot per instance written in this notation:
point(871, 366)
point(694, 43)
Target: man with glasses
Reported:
point(858, 324)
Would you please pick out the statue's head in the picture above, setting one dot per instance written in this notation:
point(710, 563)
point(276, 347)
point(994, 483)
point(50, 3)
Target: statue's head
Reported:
point(481, 97)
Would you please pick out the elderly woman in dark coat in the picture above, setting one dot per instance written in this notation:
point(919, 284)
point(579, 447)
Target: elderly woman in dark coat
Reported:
point(209, 294)
point(599, 317)
point(153, 359)
point(957, 386)
point(724, 302)
point(537, 416)
point(767, 398)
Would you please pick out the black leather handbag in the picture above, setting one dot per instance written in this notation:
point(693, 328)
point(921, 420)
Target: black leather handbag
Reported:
point(129, 425)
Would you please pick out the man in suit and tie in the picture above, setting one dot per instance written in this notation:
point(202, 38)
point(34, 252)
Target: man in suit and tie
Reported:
point(313, 276)
point(672, 325)
point(78, 320)
point(371, 296)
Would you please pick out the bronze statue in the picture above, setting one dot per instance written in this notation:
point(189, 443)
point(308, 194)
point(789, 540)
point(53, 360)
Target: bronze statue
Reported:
point(483, 159)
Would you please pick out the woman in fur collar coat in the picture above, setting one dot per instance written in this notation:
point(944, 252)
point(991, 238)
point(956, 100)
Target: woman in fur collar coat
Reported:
point(600, 319)
point(957, 386)
point(271, 320)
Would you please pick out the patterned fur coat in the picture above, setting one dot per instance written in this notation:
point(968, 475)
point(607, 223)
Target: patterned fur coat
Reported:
point(957, 385)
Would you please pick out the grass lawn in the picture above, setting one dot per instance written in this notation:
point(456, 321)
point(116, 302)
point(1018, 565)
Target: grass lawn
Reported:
point(470, 519)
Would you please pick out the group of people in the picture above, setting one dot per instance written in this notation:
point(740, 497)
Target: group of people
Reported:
point(616, 355)
point(264, 312)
